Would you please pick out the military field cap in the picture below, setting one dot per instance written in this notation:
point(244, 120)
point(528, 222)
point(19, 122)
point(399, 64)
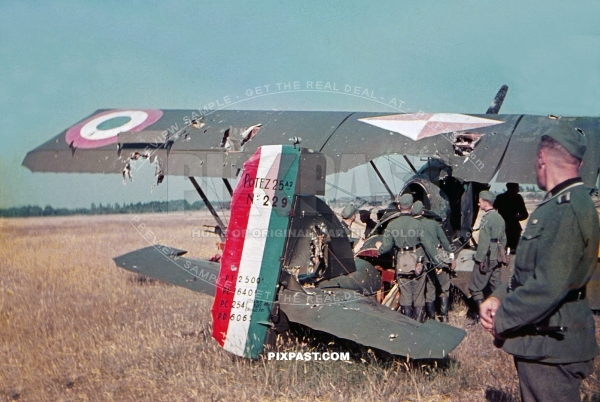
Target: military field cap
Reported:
point(417, 208)
point(348, 211)
point(406, 200)
point(571, 138)
point(488, 196)
point(512, 185)
point(364, 212)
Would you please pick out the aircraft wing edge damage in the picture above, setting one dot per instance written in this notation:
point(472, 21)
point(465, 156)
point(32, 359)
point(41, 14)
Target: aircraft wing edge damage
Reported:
point(471, 144)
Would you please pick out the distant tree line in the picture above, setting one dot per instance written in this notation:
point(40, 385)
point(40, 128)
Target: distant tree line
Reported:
point(100, 209)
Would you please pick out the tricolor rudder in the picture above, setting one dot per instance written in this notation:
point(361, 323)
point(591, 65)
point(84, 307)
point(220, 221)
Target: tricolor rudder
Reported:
point(251, 259)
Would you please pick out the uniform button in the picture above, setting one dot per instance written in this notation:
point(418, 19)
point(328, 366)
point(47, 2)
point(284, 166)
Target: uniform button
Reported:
point(533, 222)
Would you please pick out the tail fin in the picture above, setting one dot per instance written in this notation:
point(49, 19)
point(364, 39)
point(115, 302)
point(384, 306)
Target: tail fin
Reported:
point(498, 100)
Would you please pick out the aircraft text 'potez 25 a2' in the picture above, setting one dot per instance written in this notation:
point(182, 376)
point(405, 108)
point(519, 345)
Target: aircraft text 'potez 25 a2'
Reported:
point(281, 232)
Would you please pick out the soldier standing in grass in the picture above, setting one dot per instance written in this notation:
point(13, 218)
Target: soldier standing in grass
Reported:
point(511, 206)
point(438, 275)
point(543, 317)
point(492, 236)
point(405, 237)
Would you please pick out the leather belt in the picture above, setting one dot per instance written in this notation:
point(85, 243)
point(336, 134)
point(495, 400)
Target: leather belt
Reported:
point(409, 248)
point(533, 329)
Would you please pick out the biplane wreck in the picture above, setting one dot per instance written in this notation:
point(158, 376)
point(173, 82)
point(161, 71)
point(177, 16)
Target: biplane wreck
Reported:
point(278, 221)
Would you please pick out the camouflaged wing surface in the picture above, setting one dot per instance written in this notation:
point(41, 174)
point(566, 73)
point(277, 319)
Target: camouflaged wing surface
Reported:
point(519, 161)
point(217, 145)
point(213, 147)
point(165, 263)
point(348, 315)
point(355, 143)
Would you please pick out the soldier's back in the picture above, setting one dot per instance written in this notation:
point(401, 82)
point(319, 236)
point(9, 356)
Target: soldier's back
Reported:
point(405, 231)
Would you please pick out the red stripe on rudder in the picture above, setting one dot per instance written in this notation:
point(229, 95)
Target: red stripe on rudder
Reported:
point(232, 254)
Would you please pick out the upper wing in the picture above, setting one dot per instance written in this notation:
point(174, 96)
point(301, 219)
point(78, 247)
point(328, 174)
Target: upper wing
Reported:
point(181, 142)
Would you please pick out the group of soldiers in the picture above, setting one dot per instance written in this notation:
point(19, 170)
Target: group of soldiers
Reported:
point(422, 256)
point(542, 316)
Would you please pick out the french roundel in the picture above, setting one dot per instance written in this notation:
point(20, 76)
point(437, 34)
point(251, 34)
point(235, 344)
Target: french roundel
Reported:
point(102, 128)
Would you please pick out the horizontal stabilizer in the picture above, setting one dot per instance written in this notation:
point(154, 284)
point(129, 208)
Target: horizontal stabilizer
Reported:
point(164, 263)
point(349, 315)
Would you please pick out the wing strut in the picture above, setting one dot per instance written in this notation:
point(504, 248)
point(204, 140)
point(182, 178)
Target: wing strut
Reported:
point(228, 186)
point(382, 180)
point(410, 164)
point(210, 207)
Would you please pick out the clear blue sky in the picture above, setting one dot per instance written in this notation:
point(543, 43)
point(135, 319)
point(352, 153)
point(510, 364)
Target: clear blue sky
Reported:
point(61, 60)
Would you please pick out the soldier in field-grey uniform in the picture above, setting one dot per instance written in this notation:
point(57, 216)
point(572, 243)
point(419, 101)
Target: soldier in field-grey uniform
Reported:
point(405, 237)
point(543, 317)
point(348, 218)
point(438, 275)
point(491, 236)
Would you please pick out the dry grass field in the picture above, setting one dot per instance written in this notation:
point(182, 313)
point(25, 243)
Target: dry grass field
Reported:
point(74, 327)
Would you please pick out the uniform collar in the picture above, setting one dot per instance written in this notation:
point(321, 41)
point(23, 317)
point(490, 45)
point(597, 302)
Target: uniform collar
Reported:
point(559, 188)
point(488, 211)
